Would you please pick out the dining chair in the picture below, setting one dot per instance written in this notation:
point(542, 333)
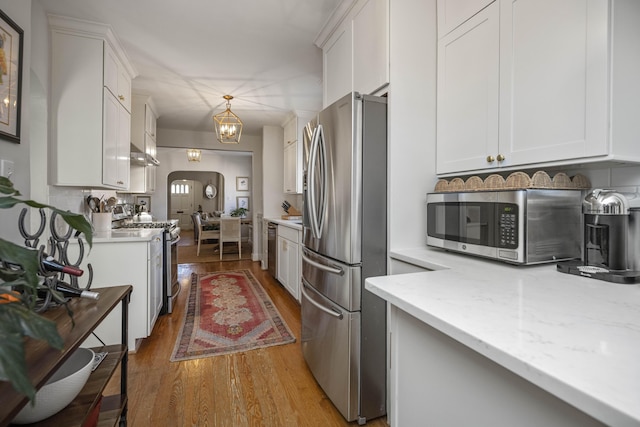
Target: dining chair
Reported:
point(204, 233)
point(230, 232)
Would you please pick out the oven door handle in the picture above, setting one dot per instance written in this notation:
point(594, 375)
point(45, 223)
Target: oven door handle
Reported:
point(331, 312)
point(323, 267)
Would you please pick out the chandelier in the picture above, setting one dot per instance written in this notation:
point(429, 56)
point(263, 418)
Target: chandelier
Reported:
point(193, 155)
point(228, 125)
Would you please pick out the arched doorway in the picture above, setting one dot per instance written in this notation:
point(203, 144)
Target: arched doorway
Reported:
point(187, 193)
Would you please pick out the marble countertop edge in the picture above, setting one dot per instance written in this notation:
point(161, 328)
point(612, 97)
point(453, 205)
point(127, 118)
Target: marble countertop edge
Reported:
point(404, 292)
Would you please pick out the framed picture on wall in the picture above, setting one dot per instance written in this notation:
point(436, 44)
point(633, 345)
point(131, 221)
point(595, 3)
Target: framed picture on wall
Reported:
point(10, 78)
point(242, 183)
point(242, 202)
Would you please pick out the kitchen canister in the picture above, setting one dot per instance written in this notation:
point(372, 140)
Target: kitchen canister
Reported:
point(101, 221)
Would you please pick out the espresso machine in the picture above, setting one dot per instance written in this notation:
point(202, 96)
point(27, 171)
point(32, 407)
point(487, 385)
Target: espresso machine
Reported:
point(611, 240)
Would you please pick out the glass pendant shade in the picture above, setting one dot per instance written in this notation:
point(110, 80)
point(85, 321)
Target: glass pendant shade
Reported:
point(193, 155)
point(228, 125)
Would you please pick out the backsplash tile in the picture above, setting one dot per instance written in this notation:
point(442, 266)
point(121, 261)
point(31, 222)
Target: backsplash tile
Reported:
point(625, 179)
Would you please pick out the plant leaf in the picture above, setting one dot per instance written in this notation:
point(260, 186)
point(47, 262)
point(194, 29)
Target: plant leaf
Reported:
point(13, 366)
point(27, 258)
point(19, 318)
point(6, 186)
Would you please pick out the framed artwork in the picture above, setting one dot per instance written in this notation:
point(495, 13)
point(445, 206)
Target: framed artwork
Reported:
point(242, 202)
point(144, 201)
point(11, 36)
point(242, 183)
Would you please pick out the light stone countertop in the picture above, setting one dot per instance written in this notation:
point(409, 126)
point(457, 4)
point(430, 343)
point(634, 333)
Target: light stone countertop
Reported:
point(575, 337)
point(126, 235)
point(296, 224)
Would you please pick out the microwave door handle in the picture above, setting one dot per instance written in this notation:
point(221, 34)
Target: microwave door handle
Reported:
point(330, 312)
point(327, 268)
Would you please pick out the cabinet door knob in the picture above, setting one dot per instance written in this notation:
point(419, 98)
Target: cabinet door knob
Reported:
point(490, 159)
point(121, 97)
point(500, 157)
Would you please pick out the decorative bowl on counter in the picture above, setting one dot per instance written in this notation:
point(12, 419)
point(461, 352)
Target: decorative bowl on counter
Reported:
point(60, 390)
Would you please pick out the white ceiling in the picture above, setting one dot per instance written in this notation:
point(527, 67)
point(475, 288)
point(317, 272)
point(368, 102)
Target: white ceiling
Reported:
point(188, 54)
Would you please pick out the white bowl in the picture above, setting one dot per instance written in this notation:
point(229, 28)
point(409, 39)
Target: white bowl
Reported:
point(60, 390)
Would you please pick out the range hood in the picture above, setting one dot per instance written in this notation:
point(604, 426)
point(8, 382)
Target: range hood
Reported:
point(143, 159)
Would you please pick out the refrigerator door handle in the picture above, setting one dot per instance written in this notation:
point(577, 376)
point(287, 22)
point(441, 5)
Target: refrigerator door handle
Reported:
point(322, 149)
point(334, 270)
point(331, 312)
point(311, 188)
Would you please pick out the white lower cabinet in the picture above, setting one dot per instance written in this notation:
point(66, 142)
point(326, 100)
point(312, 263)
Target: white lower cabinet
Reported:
point(431, 375)
point(136, 263)
point(289, 260)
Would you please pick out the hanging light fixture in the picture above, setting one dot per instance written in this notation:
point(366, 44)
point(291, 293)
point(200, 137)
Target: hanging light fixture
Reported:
point(193, 155)
point(228, 125)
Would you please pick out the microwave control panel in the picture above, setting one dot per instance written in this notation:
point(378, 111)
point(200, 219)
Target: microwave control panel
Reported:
point(507, 214)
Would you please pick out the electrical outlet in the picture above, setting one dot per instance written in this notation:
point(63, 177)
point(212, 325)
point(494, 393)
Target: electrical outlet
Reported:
point(6, 168)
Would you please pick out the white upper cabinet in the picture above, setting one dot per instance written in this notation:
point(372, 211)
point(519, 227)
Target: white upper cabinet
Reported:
point(90, 120)
point(355, 46)
point(467, 93)
point(292, 150)
point(555, 102)
point(337, 66)
point(143, 130)
point(116, 78)
point(554, 80)
point(452, 13)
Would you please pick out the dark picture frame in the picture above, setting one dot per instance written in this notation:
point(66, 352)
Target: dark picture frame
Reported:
point(11, 41)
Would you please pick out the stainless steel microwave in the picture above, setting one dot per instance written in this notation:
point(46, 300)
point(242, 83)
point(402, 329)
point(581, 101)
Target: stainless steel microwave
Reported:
point(528, 226)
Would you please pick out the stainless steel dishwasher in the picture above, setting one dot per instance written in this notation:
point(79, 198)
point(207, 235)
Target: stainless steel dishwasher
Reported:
point(272, 248)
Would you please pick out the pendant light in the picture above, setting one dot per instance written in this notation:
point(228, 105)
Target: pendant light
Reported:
point(228, 125)
point(193, 155)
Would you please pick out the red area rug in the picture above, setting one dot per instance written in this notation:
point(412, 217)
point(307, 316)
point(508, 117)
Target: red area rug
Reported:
point(228, 312)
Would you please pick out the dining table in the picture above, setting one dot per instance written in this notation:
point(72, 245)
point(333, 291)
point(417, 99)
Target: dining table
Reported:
point(211, 220)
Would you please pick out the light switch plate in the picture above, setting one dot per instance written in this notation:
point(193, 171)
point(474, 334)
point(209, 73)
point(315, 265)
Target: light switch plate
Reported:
point(6, 168)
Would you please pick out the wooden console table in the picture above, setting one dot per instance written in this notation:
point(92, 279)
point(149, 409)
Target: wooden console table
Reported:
point(43, 361)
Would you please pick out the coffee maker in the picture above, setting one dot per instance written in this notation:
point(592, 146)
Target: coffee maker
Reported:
point(611, 240)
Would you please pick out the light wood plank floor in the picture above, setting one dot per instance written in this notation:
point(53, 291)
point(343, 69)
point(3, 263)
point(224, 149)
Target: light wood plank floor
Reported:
point(264, 387)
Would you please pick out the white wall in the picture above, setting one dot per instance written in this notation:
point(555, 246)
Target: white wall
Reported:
point(272, 164)
point(412, 118)
point(19, 154)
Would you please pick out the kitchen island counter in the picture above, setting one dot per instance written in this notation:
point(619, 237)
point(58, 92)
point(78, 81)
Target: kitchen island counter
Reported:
point(576, 338)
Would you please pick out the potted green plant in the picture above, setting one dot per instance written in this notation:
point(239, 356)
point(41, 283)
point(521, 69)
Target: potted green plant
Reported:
point(19, 283)
point(241, 212)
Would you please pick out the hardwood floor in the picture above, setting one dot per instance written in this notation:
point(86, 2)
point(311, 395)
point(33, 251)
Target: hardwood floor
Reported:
point(264, 387)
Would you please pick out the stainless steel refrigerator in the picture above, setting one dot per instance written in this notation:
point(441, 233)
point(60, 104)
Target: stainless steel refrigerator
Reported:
point(344, 242)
